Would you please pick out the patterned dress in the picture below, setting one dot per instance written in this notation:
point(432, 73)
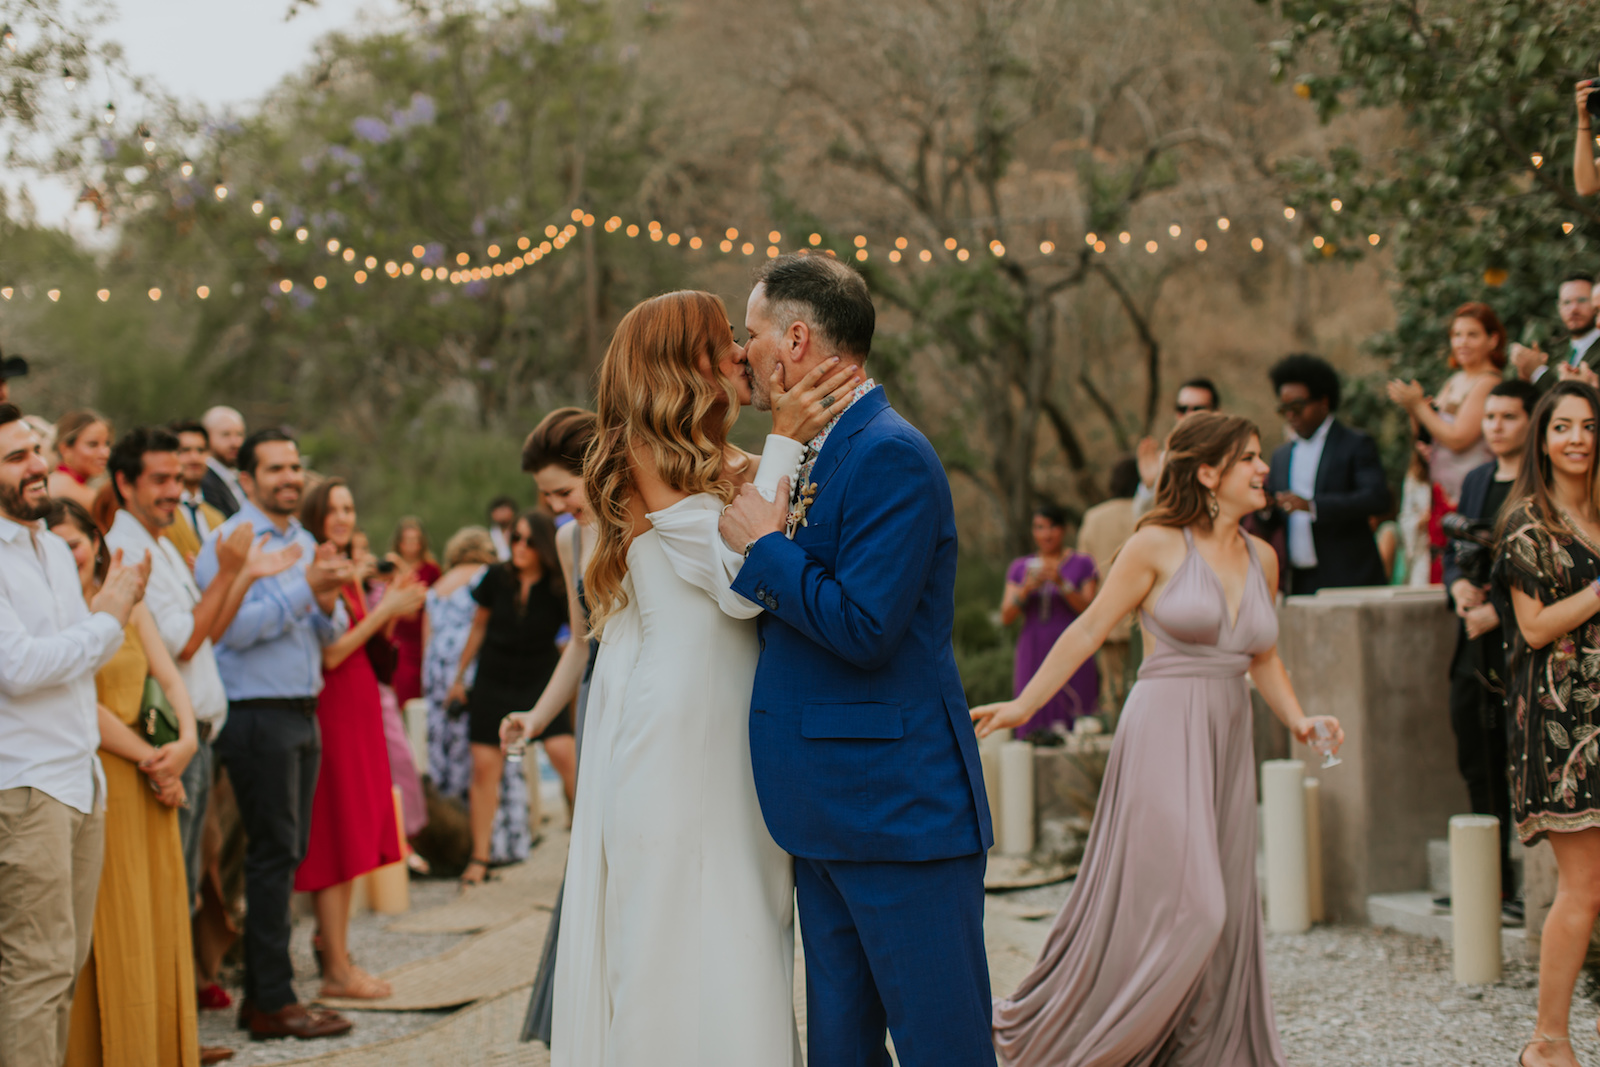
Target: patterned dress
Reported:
point(449, 753)
point(1554, 691)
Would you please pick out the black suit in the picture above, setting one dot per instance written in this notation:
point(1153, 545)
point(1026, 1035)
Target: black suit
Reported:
point(1350, 489)
point(218, 493)
point(1477, 685)
point(1552, 373)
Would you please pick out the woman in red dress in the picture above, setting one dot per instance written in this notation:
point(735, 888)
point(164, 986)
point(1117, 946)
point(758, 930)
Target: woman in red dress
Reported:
point(412, 558)
point(353, 826)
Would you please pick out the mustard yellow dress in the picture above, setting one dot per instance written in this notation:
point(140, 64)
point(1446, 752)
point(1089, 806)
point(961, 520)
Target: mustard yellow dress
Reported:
point(135, 1002)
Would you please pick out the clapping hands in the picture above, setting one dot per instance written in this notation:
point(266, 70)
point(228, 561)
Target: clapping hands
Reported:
point(123, 587)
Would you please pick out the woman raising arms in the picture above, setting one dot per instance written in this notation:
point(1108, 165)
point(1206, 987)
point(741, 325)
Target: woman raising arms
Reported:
point(1158, 951)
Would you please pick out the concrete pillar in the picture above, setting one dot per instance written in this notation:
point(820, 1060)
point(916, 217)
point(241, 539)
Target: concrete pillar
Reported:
point(1475, 898)
point(1016, 798)
point(1283, 806)
point(389, 887)
point(989, 757)
point(1314, 850)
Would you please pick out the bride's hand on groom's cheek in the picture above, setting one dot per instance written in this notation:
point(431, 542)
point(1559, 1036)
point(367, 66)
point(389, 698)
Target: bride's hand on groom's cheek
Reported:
point(801, 413)
point(750, 517)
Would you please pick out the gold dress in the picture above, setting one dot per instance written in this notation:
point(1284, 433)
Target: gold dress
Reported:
point(135, 1002)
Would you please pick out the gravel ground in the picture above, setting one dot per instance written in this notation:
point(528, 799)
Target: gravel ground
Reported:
point(1348, 995)
point(374, 948)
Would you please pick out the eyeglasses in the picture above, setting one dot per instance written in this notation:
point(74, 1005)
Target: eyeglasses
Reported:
point(1293, 407)
point(1190, 409)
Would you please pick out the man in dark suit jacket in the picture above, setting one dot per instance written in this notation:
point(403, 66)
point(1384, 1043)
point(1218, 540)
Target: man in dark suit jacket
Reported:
point(1478, 668)
point(1326, 484)
point(224, 434)
point(1575, 306)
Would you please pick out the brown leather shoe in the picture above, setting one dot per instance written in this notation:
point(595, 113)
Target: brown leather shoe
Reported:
point(210, 1054)
point(294, 1020)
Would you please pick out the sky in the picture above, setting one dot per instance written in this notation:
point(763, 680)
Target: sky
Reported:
point(226, 53)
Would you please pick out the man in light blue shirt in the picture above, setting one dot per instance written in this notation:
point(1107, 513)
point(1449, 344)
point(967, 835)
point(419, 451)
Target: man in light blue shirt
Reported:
point(270, 658)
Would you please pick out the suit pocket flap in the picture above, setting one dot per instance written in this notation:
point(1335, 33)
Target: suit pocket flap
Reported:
point(867, 720)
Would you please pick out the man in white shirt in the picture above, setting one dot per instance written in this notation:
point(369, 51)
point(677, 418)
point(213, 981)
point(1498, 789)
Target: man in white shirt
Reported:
point(224, 434)
point(145, 474)
point(502, 516)
point(52, 791)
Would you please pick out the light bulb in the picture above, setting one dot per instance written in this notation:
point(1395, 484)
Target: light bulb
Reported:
point(109, 115)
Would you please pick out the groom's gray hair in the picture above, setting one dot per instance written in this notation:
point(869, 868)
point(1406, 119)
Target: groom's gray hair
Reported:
point(825, 294)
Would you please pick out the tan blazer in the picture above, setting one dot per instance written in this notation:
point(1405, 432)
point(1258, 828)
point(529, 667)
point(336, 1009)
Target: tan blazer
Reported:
point(184, 537)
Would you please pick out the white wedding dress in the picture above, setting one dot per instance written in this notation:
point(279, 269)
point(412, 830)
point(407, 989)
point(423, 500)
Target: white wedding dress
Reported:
point(676, 946)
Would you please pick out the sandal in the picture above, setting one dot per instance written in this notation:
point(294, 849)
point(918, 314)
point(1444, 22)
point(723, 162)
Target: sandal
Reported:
point(1540, 1039)
point(487, 876)
point(361, 986)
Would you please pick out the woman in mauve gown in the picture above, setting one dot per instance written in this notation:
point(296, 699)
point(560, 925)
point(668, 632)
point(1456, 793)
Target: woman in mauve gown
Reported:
point(1156, 957)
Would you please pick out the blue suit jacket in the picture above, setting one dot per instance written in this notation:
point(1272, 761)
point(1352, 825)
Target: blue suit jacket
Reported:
point(860, 738)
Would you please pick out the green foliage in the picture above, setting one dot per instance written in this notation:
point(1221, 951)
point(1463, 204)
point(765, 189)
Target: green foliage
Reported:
point(1475, 197)
point(985, 653)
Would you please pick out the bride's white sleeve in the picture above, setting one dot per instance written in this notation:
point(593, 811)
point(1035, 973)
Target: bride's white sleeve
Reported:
point(688, 534)
point(693, 545)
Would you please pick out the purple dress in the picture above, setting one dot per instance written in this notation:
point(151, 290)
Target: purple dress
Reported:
point(1045, 616)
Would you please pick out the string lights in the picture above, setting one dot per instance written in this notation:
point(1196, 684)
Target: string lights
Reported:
point(503, 257)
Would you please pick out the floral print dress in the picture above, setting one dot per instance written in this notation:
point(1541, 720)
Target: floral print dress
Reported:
point(1554, 692)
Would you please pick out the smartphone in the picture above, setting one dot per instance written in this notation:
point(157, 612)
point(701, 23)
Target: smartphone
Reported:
point(1593, 103)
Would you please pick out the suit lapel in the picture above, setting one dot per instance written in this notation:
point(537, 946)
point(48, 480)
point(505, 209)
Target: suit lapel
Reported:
point(1324, 461)
point(838, 444)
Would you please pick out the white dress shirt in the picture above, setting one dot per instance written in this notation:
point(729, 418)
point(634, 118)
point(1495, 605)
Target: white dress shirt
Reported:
point(189, 511)
point(1305, 456)
point(228, 475)
point(171, 596)
point(50, 649)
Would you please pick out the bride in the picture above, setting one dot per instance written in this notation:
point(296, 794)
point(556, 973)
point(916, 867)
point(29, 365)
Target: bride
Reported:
point(676, 943)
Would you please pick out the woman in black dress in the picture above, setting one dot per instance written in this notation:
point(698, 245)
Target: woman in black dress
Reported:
point(522, 605)
point(1549, 557)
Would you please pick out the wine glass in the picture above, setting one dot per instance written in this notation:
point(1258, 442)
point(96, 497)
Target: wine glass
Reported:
point(515, 747)
point(1322, 741)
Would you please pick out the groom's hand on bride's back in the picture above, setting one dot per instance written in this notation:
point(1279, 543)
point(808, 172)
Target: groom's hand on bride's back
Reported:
point(751, 517)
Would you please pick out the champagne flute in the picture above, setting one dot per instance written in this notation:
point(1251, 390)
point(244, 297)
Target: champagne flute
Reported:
point(1322, 741)
point(515, 747)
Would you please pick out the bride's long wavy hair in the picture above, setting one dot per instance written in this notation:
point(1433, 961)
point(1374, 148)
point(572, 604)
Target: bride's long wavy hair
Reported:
point(655, 405)
point(1204, 439)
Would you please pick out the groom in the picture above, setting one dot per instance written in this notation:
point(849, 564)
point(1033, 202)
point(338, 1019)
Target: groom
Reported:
point(865, 759)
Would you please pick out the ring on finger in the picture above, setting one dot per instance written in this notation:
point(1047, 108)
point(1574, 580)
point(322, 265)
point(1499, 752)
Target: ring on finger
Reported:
point(827, 401)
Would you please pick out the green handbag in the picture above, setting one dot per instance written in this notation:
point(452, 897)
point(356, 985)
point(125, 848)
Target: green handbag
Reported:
point(160, 722)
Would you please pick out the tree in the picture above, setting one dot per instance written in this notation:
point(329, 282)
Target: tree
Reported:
point(990, 136)
point(1473, 194)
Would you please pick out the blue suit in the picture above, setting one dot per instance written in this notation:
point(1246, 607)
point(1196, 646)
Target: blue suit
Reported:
point(865, 759)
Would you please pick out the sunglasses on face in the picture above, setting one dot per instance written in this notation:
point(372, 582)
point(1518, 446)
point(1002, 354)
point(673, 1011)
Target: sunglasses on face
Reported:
point(517, 539)
point(1190, 409)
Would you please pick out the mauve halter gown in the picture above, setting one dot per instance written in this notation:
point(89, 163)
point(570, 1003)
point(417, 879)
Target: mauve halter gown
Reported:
point(1156, 957)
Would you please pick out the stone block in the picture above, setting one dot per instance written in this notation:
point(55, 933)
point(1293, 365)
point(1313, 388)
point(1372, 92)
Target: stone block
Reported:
point(1378, 659)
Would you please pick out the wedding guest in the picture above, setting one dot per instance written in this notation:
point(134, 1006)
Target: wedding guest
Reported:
point(145, 477)
point(353, 827)
point(1416, 504)
point(83, 442)
point(221, 486)
point(414, 561)
point(1101, 535)
point(1585, 168)
point(522, 604)
point(47, 437)
point(1158, 956)
point(554, 453)
point(137, 1005)
point(1048, 591)
point(502, 513)
point(10, 367)
point(1454, 419)
point(448, 621)
point(270, 657)
point(1478, 668)
point(195, 518)
point(1324, 485)
point(1194, 395)
point(1575, 307)
point(52, 785)
point(1549, 556)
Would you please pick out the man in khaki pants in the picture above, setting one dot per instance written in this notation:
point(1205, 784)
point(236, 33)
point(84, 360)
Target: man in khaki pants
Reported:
point(52, 792)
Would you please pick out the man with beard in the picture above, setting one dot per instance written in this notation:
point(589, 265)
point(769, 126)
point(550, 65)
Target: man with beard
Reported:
point(1575, 305)
point(52, 791)
point(224, 436)
point(270, 658)
point(195, 519)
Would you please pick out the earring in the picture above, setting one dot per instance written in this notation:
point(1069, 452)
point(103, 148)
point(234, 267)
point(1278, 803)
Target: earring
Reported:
point(1212, 507)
